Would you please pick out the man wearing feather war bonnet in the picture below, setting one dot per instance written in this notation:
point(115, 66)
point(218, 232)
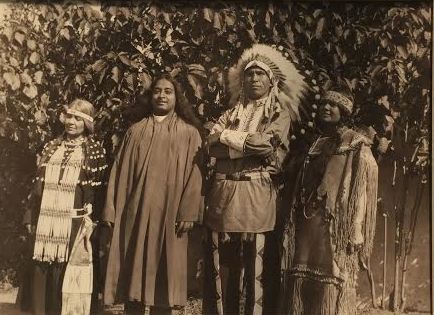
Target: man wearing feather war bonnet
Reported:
point(249, 142)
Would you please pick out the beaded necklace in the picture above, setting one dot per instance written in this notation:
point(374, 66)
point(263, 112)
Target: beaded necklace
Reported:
point(54, 224)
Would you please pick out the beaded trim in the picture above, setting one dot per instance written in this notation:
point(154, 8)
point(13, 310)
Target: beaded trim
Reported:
point(79, 114)
point(304, 271)
point(340, 100)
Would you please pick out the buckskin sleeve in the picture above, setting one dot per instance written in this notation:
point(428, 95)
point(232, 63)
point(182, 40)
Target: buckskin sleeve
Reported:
point(273, 141)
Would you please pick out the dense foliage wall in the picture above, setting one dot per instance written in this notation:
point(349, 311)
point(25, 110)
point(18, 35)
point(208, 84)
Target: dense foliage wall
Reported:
point(51, 53)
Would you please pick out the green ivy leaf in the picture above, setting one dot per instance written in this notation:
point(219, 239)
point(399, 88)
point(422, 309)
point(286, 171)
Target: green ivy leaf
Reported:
point(319, 28)
point(30, 91)
point(166, 17)
point(98, 65)
point(12, 79)
point(145, 80)
point(34, 58)
point(115, 74)
point(402, 51)
point(41, 117)
point(102, 74)
point(317, 12)
point(267, 20)
point(197, 86)
point(207, 14)
point(19, 37)
point(229, 19)
point(14, 62)
point(168, 38)
point(45, 100)
point(64, 32)
point(51, 67)
point(80, 79)
point(31, 44)
point(124, 58)
point(8, 32)
point(217, 24)
point(26, 78)
point(130, 81)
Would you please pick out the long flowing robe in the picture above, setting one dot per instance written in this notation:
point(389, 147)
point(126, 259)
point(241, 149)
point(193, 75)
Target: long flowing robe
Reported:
point(333, 208)
point(155, 182)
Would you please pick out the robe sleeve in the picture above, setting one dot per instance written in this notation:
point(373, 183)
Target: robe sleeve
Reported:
point(108, 212)
point(192, 199)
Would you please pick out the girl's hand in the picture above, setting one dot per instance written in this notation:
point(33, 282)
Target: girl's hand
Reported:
point(183, 227)
point(30, 228)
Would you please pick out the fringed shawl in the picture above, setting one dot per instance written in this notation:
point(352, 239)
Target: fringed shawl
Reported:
point(56, 182)
point(351, 199)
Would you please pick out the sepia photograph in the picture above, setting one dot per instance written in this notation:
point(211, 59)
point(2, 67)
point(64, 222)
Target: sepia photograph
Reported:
point(226, 157)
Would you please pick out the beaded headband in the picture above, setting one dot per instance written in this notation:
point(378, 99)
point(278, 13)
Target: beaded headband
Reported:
point(79, 114)
point(342, 101)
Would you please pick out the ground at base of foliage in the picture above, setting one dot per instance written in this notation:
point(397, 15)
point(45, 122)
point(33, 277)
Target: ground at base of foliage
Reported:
point(7, 307)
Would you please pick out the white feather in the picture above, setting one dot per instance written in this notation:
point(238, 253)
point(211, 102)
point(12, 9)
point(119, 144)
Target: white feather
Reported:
point(291, 82)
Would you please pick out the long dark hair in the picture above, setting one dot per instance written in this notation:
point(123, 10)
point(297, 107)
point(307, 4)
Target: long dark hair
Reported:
point(182, 107)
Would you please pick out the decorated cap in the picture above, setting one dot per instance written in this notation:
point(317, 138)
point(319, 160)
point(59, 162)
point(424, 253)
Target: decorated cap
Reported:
point(338, 98)
point(288, 83)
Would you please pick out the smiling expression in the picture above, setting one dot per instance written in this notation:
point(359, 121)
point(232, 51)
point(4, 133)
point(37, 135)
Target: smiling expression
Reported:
point(330, 113)
point(163, 98)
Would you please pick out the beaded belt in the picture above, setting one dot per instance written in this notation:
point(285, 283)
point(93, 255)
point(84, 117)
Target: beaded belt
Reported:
point(242, 176)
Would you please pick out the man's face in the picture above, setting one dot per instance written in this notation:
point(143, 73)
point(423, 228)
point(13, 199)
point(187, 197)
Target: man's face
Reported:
point(257, 84)
point(330, 113)
point(163, 98)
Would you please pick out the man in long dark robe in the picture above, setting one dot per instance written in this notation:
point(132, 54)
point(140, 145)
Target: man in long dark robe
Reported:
point(153, 198)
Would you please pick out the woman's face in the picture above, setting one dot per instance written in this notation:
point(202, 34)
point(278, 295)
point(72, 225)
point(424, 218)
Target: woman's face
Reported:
point(163, 98)
point(330, 113)
point(74, 126)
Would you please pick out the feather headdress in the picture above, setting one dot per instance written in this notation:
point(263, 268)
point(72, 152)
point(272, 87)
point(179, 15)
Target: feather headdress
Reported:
point(289, 84)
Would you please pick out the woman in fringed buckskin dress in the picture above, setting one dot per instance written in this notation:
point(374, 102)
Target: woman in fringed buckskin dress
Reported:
point(331, 222)
point(64, 204)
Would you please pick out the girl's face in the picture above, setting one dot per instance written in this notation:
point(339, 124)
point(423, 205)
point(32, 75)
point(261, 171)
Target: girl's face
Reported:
point(74, 126)
point(330, 113)
point(163, 98)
